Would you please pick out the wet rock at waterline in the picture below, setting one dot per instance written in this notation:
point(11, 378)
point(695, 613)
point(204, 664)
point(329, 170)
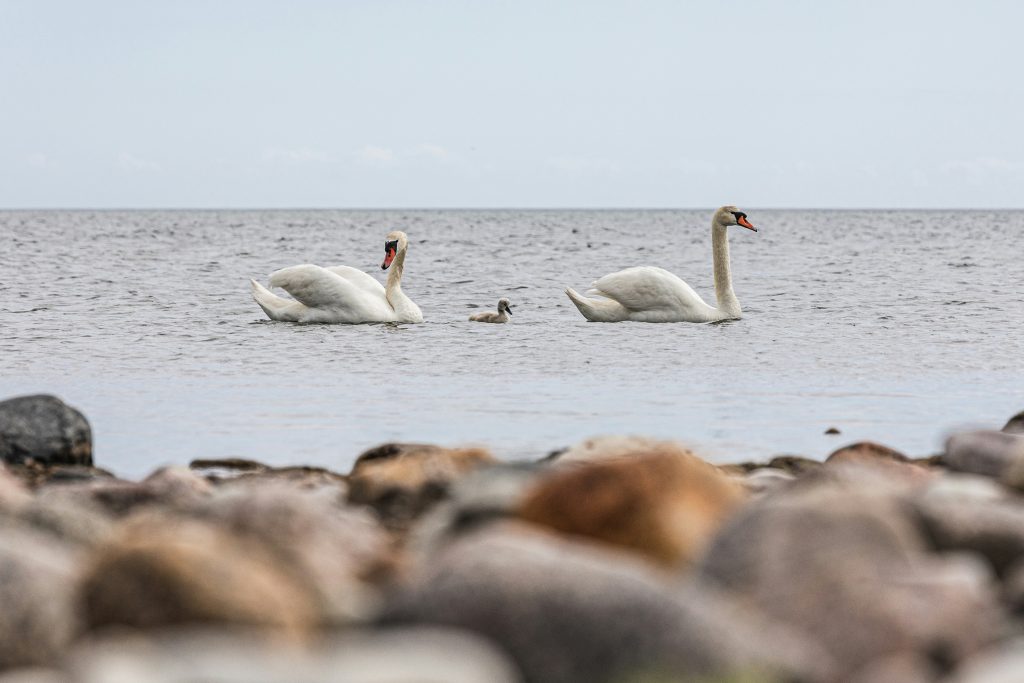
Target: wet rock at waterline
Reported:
point(43, 429)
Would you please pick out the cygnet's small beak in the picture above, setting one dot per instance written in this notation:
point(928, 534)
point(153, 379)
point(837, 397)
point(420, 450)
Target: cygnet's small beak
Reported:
point(742, 220)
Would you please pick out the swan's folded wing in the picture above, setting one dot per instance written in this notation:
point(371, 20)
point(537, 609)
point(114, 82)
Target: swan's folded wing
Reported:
point(314, 286)
point(646, 288)
point(358, 278)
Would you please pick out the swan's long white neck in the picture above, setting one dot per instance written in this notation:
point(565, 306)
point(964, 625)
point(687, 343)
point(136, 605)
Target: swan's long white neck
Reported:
point(402, 305)
point(727, 301)
point(393, 288)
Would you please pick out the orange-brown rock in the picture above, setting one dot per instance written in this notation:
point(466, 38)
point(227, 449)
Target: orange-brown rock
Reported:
point(865, 451)
point(401, 481)
point(664, 503)
point(164, 571)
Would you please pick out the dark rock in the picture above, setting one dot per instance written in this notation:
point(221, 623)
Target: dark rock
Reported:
point(832, 431)
point(571, 613)
point(664, 504)
point(43, 429)
point(984, 452)
point(228, 464)
point(37, 619)
point(848, 567)
point(161, 571)
point(402, 481)
point(1015, 425)
point(863, 451)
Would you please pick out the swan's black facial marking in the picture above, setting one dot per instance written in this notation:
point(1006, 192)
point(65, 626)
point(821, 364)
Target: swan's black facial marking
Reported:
point(390, 249)
point(741, 219)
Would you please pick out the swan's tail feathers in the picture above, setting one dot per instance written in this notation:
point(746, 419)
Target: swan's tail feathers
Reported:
point(597, 310)
point(274, 306)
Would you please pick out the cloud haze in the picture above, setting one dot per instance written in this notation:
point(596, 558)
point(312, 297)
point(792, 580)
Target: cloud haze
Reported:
point(531, 104)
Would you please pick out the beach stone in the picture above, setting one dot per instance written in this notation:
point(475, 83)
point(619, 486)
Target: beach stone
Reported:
point(160, 571)
point(906, 667)
point(485, 495)
point(848, 567)
point(796, 465)
point(13, 494)
point(78, 523)
point(569, 612)
point(1013, 589)
point(33, 675)
point(993, 454)
point(765, 479)
point(174, 488)
point(401, 481)
point(1015, 425)
point(37, 616)
point(664, 504)
point(412, 655)
point(994, 529)
point(610, 446)
point(1002, 664)
point(865, 451)
point(331, 549)
point(44, 429)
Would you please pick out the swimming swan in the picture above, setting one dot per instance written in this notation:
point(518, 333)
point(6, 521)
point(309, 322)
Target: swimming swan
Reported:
point(654, 295)
point(341, 294)
point(504, 311)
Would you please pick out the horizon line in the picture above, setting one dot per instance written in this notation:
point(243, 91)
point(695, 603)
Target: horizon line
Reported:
point(502, 208)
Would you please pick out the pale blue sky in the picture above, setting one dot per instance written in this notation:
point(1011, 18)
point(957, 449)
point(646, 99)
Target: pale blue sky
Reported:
point(511, 104)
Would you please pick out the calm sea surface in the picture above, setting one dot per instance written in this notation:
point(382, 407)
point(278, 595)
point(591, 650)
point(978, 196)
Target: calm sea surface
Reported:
point(890, 325)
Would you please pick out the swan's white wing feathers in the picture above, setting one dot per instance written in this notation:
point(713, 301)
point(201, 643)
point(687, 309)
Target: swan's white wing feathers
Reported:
point(330, 297)
point(358, 278)
point(646, 288)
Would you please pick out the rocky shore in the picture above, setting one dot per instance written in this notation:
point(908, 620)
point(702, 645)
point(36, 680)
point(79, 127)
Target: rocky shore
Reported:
point(619, 560)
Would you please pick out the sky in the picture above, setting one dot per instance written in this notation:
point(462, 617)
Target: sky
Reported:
point(390, 103)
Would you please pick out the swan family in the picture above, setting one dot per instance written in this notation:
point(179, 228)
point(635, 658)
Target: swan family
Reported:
point(342, 294)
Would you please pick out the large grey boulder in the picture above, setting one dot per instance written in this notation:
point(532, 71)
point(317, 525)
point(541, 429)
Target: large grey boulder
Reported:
point(849, 568)
point(44, 429)
point(571, 612)
point(993, 454)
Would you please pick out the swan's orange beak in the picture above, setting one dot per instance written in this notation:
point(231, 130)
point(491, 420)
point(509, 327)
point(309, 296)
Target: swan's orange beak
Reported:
point(389, 256)
point(742, 220)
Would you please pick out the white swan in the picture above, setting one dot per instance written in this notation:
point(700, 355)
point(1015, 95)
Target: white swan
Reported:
point(341, 294)
point(654, 295)
point(504, 311)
